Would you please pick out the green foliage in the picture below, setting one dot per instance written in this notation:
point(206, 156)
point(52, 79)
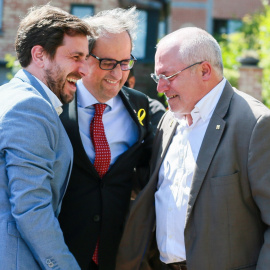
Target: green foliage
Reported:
point(264, 42)
point(253, 38)
point(231, 47)
point(232, 75)
point(12, 64)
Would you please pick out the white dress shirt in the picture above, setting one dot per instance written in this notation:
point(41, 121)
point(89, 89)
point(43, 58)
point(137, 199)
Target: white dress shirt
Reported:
point(57, 104)
point(175, 178)
point(120, 129)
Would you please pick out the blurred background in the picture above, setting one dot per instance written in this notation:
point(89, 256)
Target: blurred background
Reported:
point(242, 28)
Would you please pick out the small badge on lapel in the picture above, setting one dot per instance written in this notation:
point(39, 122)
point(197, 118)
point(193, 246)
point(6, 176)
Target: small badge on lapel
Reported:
point(217, 126)
point(141, 115)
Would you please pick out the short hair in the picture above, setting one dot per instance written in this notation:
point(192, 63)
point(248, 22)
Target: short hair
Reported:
point(113, 21)
point(196, 45)
point(46, 26)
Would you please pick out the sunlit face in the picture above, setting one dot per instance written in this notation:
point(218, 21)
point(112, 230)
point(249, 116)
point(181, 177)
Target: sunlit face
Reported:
point(183, 92)
point(68, 65)
point(106, 84)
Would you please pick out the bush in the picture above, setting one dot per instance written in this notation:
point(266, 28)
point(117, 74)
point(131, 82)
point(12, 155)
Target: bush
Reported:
point(253, 37)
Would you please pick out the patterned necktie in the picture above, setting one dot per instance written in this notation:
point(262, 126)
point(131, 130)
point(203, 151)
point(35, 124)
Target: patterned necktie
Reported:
point(102, 151)
point(101, 146)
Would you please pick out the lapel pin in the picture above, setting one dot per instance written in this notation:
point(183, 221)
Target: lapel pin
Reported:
point(141, 115)
point(171, 123)
point(217, 126)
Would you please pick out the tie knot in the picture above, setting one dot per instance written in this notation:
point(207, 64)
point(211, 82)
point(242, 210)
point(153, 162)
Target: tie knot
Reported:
point(99, 108)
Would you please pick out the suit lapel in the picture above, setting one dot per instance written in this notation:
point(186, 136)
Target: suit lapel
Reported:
point(69, 118)
point(29, 78)
point(163, 138)
point(132, 109)
point(209, 145)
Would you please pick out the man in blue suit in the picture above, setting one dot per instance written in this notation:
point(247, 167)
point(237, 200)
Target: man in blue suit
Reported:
point(35, 152)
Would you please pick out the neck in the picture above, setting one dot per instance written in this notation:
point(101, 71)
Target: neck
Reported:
point(189, 119)
point(36, 72)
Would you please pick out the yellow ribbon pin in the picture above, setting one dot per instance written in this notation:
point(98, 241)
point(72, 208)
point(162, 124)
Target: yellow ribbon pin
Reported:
point(141, 115)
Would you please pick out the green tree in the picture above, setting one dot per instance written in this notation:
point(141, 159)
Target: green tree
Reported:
point(253, 37)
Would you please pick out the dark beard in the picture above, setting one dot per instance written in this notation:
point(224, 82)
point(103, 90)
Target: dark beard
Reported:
point(55, 81)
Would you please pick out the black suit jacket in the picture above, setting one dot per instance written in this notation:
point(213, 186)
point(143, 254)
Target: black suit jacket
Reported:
point(95, 208)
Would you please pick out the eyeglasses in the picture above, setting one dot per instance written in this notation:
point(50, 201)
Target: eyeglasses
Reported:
point(156, 78)
point(110, 64)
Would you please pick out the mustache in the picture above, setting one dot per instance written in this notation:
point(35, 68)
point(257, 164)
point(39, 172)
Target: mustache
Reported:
point(74, 75)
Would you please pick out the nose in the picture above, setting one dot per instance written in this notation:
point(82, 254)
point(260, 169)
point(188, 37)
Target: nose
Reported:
point(83, 68)
point(162, 86)
point(117, 72)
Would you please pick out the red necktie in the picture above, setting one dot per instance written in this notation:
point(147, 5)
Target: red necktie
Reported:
point(102, 150)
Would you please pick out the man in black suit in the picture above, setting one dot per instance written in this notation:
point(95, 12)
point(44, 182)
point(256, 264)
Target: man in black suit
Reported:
point(95, 207)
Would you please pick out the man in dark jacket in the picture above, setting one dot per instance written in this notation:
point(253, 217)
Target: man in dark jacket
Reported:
point(97, 199)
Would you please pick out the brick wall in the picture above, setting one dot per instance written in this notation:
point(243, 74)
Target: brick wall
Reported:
point(230, 9)
point(14, 10)
point(182, 17)
point(250, 81)
point(197, 12)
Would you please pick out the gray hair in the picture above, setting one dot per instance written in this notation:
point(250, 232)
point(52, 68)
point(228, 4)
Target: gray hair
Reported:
point(196, 45)
point(113, 21)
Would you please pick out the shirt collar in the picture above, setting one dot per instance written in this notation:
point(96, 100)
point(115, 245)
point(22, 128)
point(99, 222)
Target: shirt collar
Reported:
point(205, 107)
point(85, 99)
point(57, 104)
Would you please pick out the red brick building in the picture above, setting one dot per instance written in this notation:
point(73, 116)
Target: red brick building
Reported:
point(157, 18)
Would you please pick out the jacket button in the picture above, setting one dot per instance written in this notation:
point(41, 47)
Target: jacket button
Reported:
point(96, 218)
point(49, 263)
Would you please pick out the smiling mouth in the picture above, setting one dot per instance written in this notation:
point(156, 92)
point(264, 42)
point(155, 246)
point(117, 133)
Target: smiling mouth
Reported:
point(112, 82)
point(170, 97)
point(72, 80)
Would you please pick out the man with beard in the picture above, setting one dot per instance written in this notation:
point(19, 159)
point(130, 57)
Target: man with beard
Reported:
point(35, 152)
point(97, 199)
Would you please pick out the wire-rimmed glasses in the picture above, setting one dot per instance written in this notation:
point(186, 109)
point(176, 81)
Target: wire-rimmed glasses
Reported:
point(156, 78)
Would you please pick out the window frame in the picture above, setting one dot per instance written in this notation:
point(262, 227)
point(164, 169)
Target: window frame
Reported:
point(225, 23)
point(152, 30)
point(81, 5)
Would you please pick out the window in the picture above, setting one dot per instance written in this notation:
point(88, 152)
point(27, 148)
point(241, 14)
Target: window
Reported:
point(140, 43)
point(82, 10)
point(226, 26)
point(147, 35)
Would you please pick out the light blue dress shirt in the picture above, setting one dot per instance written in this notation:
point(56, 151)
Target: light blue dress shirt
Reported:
point(120, 129)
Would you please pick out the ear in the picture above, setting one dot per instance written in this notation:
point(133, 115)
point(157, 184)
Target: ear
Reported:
point(131, 81)
point(206, 70)
point(38, 55)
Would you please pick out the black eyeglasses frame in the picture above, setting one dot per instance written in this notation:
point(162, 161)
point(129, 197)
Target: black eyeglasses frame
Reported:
point(116, 62)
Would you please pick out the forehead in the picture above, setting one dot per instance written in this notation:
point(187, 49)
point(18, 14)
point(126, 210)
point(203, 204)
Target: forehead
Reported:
point(75, 44)
point(167, 58)
point(112, 45)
